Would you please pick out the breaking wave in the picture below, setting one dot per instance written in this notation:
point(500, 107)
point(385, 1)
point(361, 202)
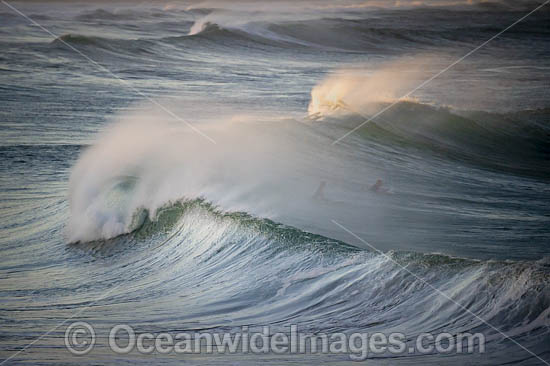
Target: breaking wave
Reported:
point(327, 285)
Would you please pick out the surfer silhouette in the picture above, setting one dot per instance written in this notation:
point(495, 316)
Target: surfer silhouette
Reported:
point(378, 187)
point(320, 192)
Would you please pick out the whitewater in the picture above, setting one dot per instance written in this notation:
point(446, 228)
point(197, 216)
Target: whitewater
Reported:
point(208, 181)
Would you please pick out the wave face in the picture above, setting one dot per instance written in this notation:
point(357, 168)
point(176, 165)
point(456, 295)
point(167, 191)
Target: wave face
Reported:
point(501, 142)
point(115, 212)
point(313, 274)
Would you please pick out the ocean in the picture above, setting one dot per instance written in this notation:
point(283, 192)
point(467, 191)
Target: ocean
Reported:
point(207, 166)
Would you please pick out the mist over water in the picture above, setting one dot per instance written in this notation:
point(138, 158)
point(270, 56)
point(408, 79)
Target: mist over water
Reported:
point(114, 208)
